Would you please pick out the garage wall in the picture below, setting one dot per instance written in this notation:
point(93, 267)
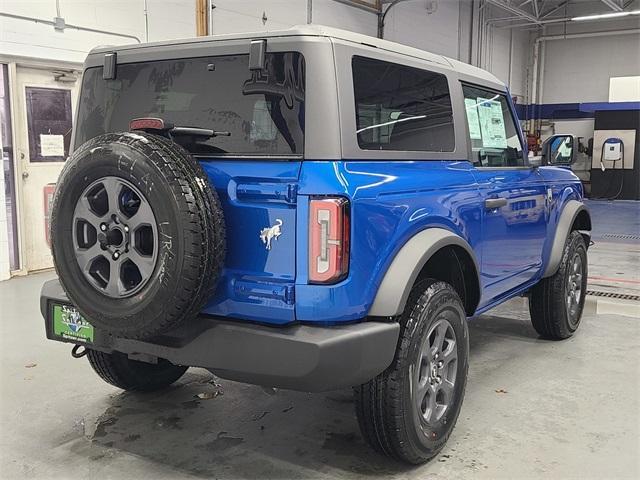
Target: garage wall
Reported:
point(510, 59)
point(448, 31)
point(578, 70)
point(410, 23)
point(328, 12)
point(231, 16)
point(444, 28)
point(167, 19)
point(4, 241)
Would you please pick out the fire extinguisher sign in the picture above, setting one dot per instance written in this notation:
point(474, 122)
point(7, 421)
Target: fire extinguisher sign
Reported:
point(48, 192)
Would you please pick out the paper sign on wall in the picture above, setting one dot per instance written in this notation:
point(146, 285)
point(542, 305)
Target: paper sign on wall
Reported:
point(494, 134)
point(51, 145)
point(472, 118)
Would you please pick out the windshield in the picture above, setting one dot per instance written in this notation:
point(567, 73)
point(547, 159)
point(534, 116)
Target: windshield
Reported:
point(262, 110)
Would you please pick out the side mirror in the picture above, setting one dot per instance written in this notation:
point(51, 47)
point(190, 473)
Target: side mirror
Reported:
point(559, 150)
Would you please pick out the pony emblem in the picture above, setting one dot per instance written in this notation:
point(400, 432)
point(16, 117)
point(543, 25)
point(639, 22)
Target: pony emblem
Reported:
point(270, 233)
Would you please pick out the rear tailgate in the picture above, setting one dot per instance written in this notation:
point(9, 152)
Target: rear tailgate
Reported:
point(253, 157)
point(257, 282)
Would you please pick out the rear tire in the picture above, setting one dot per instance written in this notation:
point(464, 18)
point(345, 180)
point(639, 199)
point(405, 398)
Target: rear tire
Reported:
point(394, 416)
point(556, 302)
point(130, 375)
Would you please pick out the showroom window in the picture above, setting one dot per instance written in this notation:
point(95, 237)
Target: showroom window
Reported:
point(401, 108)
point(492, 130)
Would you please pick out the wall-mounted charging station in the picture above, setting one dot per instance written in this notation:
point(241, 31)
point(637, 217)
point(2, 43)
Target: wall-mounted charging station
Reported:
point(615, 166)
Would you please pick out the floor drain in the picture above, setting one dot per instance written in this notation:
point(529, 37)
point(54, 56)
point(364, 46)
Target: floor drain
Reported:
point(621, 236)
point(618, 296)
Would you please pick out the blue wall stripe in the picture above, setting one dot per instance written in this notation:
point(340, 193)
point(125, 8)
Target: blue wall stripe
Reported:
point(569, 111)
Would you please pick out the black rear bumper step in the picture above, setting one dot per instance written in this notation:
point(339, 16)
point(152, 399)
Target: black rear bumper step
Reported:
point(298, 357)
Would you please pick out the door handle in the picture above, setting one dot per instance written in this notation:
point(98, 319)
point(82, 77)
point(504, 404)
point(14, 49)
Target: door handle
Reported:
point(493, 203)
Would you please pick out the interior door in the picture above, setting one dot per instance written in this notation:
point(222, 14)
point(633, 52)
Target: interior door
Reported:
point(44, 111)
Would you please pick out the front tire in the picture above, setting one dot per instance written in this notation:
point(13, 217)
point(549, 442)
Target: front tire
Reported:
point(408, 411)
point(130, 375)
point(556, 302)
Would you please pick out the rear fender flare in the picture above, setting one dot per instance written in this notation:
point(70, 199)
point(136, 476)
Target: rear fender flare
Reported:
point(401, 275)
point(566, 221)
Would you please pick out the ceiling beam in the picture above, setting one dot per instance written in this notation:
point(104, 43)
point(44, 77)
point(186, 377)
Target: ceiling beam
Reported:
point(515, 10)
point(554, 9)
point(612, 5)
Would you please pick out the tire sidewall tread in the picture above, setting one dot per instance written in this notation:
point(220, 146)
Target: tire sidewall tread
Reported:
point(547, 301)
point(189, 214)
point(384, 405)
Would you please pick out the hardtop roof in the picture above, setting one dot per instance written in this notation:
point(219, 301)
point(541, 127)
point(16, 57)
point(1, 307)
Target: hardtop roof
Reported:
point(330, 32)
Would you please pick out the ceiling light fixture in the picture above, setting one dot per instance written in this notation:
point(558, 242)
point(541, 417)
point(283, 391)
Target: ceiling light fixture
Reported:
point(605, 15)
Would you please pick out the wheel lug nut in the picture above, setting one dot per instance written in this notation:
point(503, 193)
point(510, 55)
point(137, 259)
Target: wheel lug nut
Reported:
point(116, 254)
point(103, 227)
point(126, 228)
point(440, 364)
point(439, 379)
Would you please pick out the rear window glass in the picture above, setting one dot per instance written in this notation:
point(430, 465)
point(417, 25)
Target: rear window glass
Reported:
point(262, 111)
point(401, 108)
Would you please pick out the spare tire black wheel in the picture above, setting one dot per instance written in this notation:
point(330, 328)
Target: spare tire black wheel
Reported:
point(137, 234)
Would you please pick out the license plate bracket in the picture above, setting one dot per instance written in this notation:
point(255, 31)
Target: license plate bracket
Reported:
point(68, 325)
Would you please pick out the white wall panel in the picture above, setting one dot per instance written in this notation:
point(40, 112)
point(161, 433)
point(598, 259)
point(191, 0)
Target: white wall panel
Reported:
point(578, 70)
point(410, 23)
point(167, 19)
point(4, 241)
point(334, 14)
point(624, 89)
point(233, 16)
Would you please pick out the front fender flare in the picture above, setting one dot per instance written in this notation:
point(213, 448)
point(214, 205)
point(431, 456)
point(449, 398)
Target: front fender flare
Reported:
point(567, 218)
point(401, 275)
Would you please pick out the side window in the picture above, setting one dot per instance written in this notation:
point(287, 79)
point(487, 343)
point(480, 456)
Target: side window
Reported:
point(401, 108)
point(492, 131)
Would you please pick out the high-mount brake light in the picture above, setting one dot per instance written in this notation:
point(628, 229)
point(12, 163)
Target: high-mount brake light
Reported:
point(147, 124)
point(329, 232)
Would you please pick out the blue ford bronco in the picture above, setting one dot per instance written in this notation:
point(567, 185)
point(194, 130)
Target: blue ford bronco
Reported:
point(309, 209)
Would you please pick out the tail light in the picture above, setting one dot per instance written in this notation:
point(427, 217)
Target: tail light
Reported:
point(147, 124)
point(328, 239)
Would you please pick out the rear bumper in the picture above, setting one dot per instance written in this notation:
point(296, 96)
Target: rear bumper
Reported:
point(298, 357)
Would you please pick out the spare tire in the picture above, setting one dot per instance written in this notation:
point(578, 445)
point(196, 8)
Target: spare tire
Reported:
point(137, 234)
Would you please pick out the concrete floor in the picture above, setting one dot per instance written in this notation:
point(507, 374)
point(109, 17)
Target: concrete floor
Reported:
point(614, 257)
point(533, 409)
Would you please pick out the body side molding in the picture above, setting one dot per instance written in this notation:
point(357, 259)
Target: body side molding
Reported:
point(406, 266)
point(567, 218)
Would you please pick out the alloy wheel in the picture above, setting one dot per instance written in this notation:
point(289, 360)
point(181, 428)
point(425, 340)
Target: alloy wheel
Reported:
point(115, 237)
point(435, 372)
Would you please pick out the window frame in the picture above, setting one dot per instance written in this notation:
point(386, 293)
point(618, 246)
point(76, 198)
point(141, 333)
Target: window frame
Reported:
point(354, 59)
point(344, 50)
point(322, 127)
point(514, 119)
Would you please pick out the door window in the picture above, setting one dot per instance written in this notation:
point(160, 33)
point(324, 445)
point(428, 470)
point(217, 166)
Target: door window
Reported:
point(492, 130)
point(401, 108)
point(48, 123)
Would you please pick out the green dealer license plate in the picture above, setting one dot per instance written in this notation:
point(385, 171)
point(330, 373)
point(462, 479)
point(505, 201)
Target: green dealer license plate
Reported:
point(70, 325)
